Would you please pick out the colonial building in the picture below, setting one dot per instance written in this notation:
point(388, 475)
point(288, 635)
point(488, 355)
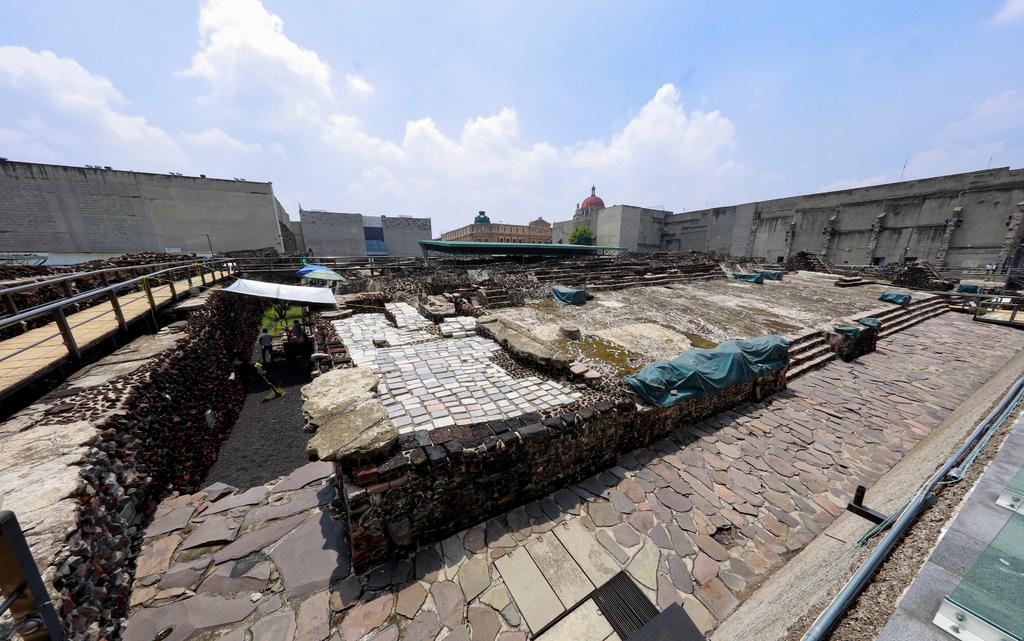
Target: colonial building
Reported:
point(628, 226)
point(484, 231)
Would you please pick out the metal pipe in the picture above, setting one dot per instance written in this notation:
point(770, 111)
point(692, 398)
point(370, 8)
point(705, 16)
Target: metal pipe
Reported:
point(841, 603)
point(60, 279)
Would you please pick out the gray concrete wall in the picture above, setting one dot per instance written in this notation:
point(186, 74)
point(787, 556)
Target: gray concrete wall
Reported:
point(330, 233)
point(77, 210)
point(403, 233)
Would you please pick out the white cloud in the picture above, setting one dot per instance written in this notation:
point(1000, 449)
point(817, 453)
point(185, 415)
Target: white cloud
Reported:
point(218, 139)
point(72, 106)
point(358, 85)
point(855, 182)
point(1009, 11)
point(244, 52)
point(994, 115)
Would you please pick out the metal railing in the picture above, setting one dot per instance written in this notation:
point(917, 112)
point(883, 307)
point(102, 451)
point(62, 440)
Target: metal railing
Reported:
point(337, 263)
point(22, 592)
point(197, 270)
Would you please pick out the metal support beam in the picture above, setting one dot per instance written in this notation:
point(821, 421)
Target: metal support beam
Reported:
point(116, 304)
point(65, 332)
point(857, 507)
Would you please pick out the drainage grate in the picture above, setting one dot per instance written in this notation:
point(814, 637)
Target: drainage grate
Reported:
point(625, 607)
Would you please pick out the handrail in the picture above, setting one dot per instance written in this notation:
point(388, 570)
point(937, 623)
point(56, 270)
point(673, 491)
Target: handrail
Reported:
point(59, 304)
point(20, 583)
point(51, 280)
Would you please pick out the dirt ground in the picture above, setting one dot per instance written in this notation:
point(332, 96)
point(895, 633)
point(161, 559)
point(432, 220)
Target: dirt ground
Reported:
point(879, 600)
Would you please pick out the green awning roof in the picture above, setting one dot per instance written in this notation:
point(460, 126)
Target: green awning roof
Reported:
point(455, 247)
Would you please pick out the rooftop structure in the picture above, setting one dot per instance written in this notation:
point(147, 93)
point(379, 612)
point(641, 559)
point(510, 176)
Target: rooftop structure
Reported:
point(328, 233)
point(468, 248)
point(483, 230)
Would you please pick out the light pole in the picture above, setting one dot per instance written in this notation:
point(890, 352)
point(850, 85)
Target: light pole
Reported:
point(210, 243)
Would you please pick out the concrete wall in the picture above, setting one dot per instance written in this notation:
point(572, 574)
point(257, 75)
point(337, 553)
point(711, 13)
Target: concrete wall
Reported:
point(330, 233)
point(403, 233)
point(77, 210)
point(635, 228)
point(889, 223)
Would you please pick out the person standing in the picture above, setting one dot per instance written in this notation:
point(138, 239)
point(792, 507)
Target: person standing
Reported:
point(266, 345)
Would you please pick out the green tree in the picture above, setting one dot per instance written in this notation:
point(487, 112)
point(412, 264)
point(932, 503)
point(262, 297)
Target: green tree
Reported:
point(581, 236)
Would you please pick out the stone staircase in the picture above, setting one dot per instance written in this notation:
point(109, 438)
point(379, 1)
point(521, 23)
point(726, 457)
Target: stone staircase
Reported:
point(605, 277)
point(494, 298)
point(808, 350)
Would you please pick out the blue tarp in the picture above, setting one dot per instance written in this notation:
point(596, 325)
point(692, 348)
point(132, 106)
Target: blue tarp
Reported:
point(893, 297)
point(847, 330)
point(871, 322)
point(309, 268)
point(968, 289)
point(770, 274)
point(569, 295)
point(750, 278)
point(700, 372)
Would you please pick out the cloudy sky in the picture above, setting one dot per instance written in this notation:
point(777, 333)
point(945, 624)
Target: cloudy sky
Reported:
point(445, 108)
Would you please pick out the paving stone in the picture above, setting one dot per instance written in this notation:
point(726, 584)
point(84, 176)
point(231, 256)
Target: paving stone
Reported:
point(201, 613)
point(556, 564)
point(237, 577)
point(710, 547)
point(428, 564)
point(567, 499)
point(626, 535)
point(679, 574)
point(258, 539)
point(603, 514)
point(474, 539)
point(717, 598)
point(313, 622)
point(673, 500)
point(484, 622)
point(297, 501)
point(366, 617)
point(596, 562)
point(279, 626)
point(704, 568)
point(497, 597)
point(186, 574)
point(214, 530)
point(512, 636)
point(607, 541)
point(700, 615)
point(621, 502)
point(156, 557)
point(217, 490)
point(389, 633)
point(424, 626)
point(450, 603)
point(460, 633)
point(410, 598)
point(680, 541)
point(644, 566)
point(667, 594)
point(252, 496)
point(174, 520)
point(532, 595)
point(498, 536)
point(313, 556)
point(659, 535)
point(454, 552)
point(474, 577)
point(585, 622)
point(303, 476)
point(511, 615)
point(346, 592)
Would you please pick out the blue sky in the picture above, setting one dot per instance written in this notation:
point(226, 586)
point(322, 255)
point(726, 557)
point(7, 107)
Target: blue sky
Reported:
point(442, 109)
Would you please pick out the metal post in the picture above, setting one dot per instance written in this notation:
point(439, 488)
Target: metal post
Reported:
point(12, 309)
point(116, 304)
point(30, 605)
point(65, 331)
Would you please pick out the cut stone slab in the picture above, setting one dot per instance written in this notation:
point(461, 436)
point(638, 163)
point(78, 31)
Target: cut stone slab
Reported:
point(174, 520)
point(217, 490)
point(474, 577)
point(156, 556)
point(410, 598)
point(216, 529)
point(428, 564)
point(185, 575)
point(298, 501)
point(258, 539)
point(608, 542)
point(366, 617)
point(303, 476)
point(251, 496)
point(313, 556)
point(497, 597)
point(365, 431)
point(235, 577)
point(449, 602)
point(314, 618)
point(534, 598)
point(562, 574)
point(585, 622)
point(279, 626)
point(603, 514)
point(626, 535)
point(596, 562)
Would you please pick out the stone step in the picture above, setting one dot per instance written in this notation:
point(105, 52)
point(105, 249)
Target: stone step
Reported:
point(810, 355)
point(911, 321)
point(810, 365)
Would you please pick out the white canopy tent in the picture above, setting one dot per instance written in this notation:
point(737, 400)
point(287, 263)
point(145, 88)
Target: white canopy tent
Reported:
point(295, 293)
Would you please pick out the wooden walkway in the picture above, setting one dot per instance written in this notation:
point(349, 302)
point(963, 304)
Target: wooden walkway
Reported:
point(33, 354)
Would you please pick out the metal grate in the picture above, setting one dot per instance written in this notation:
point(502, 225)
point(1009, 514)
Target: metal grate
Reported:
point(625, 607)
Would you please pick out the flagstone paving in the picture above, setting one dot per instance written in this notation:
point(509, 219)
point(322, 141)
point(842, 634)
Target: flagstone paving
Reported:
point(700, 518)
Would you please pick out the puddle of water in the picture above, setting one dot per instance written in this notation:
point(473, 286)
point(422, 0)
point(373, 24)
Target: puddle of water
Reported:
point(594, 348)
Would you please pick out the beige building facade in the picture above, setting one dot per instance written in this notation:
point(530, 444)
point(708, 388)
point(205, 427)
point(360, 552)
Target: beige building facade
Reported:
point(484, 231)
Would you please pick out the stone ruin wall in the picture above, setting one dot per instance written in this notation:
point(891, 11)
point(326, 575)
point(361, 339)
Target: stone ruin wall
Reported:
point(411, 495)
point(123, 444)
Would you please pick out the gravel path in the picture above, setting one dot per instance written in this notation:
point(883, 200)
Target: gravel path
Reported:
point(267, 441)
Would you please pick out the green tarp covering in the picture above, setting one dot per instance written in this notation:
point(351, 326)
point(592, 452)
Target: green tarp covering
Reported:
point(968, 289)
point(893, 297)
point(847, 330)
point(700, 372)
point(770, 274)
point(750, 278)
point(871, 322)
point(569, 295)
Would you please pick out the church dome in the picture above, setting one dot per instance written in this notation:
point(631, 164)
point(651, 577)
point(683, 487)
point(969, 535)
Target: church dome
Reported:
point(593, 201)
